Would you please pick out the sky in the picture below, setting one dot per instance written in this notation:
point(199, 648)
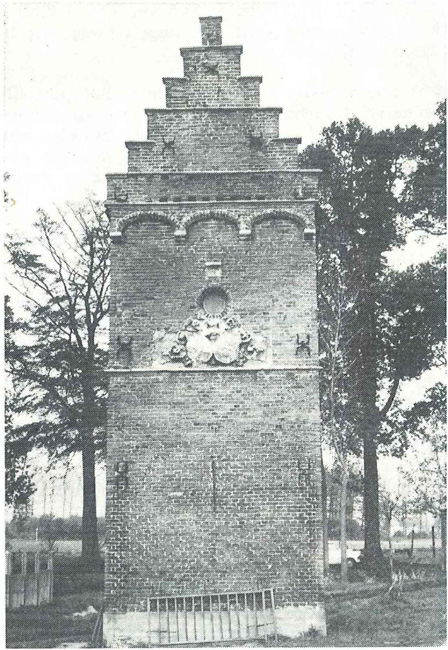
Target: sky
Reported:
point(78, 76)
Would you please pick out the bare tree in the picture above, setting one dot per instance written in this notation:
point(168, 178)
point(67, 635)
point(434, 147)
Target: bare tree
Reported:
point(338, 301)
point(62, 273)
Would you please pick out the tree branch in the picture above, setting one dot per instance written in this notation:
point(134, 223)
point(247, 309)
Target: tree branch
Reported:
point(390, 399)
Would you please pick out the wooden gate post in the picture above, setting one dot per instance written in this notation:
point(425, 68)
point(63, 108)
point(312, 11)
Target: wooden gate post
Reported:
point(8, 579)
point(443, 532)
point(38, 578)
point(50, 569)
point(24, 558)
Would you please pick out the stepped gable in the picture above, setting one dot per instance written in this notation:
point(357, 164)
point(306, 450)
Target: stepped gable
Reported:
point(213, 143)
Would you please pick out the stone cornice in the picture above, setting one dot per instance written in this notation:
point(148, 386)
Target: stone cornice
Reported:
point(215, 109)
point(213, 172)
point(258, 78)
point(134, 371)
point(207, 48)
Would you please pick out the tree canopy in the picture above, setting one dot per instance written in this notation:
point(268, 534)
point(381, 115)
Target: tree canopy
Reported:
point(372, 197)
point(63, 276)
point(18, 474)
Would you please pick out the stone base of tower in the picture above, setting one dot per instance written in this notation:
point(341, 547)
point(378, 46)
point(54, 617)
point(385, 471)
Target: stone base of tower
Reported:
point(125, 630)
point(130, 629)
point(297, 620)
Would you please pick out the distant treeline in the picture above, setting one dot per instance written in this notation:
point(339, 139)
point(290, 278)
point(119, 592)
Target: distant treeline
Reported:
point(49, 527)
point(354, 529)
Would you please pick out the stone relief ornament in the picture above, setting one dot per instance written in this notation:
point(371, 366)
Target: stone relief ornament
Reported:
point(256, 140)
point(207, 65)
point(168, 145)
point(303, 344)
point(124, 351)
point(120, 195)
point(210, 339)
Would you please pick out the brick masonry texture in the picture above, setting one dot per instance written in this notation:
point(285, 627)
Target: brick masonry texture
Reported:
point(219, 186)
point(165, 538)
point(213, 139)
point(270, 281)
point(213, 471)
point(211, 30)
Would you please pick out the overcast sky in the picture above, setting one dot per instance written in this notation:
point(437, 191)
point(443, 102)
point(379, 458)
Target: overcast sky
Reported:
point(79, 75)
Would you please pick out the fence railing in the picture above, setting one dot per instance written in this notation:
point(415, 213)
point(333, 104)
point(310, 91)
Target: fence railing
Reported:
point(29, 578)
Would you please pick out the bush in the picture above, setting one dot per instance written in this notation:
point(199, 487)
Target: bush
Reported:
point(71, 576)
point(77, 583)
point(49, 526)
point(71, 564)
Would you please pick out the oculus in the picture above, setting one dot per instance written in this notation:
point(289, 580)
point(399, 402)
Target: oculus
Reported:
point(214, 301)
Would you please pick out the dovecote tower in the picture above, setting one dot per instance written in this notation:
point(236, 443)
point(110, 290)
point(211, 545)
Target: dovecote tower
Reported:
point(213, 488)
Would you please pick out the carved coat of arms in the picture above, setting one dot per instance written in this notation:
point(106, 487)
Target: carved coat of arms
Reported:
point(211, 340)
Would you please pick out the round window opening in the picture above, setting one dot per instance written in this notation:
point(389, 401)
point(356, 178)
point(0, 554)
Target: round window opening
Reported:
point(214, 301)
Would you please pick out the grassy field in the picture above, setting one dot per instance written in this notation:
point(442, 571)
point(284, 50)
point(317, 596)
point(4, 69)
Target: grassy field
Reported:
point(416, 618)
point(63, 546)
point(49, 626)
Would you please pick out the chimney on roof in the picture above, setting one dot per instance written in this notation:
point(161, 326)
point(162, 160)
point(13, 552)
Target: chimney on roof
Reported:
point(211, 30)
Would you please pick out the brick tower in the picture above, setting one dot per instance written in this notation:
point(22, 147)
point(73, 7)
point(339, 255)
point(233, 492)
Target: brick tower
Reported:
point(213, 489)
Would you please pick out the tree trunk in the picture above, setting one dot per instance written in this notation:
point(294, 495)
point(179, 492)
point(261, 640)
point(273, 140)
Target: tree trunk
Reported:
point(370, 421)
point(443, 534)
point(90, 545)
point(373, 555)
point(389, 536)
point(343, 523)
point(324, 517)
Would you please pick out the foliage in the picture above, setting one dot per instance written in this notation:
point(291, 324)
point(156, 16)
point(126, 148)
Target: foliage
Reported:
point(18, 476)
point(426, 475)
point(412, 321)
point(337, 299)
point(428, 413)
point(390, 324)
point(424, 193)
point(354, 529)
point(356, 226)
point(57, 527)
point(354, 486)
point(63, 275)
point(65, 283)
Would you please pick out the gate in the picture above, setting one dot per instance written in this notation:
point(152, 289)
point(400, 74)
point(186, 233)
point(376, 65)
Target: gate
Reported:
point(28, 583)
point(213, 617)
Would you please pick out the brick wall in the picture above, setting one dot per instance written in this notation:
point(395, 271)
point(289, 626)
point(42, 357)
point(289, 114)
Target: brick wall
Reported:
point(150, 188)
point(213, 139)
point(211, 30)
point(270, 280)
point(166, 534)
point(213, 471)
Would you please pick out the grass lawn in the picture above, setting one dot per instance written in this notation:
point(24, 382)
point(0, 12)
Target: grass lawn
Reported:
point(416, 618)
point(49, 626)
